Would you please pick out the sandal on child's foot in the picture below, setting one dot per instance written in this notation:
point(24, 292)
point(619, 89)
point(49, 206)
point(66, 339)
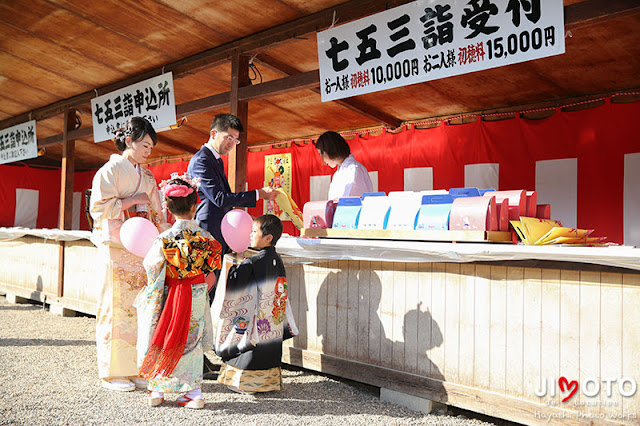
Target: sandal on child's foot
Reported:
point(155, 398)
point(139, 382)
point(187, 402)
point(118, 384)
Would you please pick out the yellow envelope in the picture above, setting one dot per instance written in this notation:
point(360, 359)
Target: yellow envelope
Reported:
point(289, 206)
point(517, 225)
point(553, 236)
point(535, 228)
point(590, 241)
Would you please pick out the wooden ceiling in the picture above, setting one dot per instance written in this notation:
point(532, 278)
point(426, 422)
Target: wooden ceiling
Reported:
point(56, 54)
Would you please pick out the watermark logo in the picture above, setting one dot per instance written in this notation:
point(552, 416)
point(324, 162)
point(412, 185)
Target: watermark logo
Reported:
point(590, 387)
point(562, 382)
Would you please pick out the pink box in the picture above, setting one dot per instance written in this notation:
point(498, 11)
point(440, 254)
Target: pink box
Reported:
point(517, 202)
point(532, 201)
point(503, 215)
point(318, 214)
point(473, 214)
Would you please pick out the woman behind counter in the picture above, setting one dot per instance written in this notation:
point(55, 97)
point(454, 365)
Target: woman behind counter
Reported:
point(120, 189)
point(351, 179)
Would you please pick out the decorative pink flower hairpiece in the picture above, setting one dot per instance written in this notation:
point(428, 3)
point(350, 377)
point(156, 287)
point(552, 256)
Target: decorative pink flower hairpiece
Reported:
point(176, 190)
point(195, 182)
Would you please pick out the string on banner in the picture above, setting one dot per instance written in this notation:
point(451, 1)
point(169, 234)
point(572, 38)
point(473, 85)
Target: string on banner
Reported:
point(334, 21)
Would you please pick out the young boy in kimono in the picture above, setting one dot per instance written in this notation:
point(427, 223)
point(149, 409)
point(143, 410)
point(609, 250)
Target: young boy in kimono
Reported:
point(256, 315)
point(174, 321)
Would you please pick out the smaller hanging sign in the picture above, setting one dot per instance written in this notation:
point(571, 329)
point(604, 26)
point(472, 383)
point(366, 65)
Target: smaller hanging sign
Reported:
point(18, 142)
point(152, 99)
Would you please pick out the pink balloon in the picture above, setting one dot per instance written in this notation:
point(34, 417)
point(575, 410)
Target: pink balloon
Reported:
point(236, 229)
point(137, 235)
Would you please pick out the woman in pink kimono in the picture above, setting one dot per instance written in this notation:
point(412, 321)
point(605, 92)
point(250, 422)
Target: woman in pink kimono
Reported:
point(120, 189)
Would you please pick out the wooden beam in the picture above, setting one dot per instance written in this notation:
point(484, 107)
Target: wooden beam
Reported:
point(376, 115)
point(276, 64)
point(206, 104)
point(87, 133)
point(180, 146)
point(258, 91)
point(240, 108)
point(292, 83)
point(353, 104)
point(595, 11)
point(67, 166)
point(60, 291)
point(66, 189)
point(83, 133)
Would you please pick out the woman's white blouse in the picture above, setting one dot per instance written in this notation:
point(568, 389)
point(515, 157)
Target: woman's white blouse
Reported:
point(351, 179)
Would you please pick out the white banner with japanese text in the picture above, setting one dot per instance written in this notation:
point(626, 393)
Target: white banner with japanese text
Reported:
point(18, 142)
point(152, 99)
point(432, 39)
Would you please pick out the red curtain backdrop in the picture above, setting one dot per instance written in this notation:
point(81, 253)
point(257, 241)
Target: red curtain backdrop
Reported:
point(598, 137)
point(47, 183)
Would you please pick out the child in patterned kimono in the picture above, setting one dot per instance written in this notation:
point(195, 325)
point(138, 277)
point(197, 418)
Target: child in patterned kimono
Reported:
point(174, 322)
point(256, 316)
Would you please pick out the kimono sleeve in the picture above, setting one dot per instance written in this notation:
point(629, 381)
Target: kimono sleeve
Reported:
point(150, 300)
point(237, 331)
point(105, 201)
point(290, 328)
point(158, 211)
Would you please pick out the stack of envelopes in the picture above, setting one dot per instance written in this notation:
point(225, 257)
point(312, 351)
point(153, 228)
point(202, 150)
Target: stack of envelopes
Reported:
point(534, 231)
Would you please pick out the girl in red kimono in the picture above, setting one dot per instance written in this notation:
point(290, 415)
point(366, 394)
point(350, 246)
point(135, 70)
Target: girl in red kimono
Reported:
point(174, 320)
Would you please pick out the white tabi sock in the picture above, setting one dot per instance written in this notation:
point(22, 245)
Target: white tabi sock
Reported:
point(194, 394)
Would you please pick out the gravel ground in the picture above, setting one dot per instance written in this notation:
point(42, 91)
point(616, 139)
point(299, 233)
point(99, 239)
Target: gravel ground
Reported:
point(49, 376)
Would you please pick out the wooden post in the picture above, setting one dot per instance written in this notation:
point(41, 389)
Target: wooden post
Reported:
point(238, 157)
point(66, 188)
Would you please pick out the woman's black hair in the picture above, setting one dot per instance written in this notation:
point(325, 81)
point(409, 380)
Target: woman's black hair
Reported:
point(136, 128)
point(181, 205)
point(334, 145)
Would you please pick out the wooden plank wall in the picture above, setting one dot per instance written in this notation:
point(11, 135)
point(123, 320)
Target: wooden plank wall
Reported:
point(482, 337)
point(30, 269)
point(81, 276)
point(500, 330)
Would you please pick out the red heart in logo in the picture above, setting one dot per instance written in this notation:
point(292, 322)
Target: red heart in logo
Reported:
point(562, 382)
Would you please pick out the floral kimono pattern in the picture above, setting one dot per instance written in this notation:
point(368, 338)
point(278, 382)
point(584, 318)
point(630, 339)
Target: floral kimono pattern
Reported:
point(121, 274)
point(177, 253)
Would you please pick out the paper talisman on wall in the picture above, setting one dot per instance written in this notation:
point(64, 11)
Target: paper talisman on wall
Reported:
point(277, 174)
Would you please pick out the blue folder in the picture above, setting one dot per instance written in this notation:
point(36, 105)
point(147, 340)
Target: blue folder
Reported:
point(347, 213)
point(434, 212)
point(464, 192)
point(373, 194)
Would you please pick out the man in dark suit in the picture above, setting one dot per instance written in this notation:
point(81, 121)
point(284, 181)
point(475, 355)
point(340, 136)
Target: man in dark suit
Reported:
point(216, 197)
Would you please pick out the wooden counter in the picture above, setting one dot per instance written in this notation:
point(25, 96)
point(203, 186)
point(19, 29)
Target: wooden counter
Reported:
point(31, 268)
point(427, 320)
point(479, 335)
